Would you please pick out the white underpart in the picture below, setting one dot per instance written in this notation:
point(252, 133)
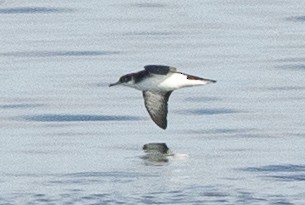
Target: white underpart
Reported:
point(166, 83)
point(179, 80)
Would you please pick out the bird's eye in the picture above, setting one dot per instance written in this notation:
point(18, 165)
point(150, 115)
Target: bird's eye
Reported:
point(125, 79)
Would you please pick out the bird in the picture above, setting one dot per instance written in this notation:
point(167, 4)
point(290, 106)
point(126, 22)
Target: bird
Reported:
point(157, 82)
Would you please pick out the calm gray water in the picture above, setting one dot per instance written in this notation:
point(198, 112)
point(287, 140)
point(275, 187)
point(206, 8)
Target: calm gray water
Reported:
point(67, 138)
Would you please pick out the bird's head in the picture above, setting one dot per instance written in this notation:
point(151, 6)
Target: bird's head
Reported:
point(126, 80)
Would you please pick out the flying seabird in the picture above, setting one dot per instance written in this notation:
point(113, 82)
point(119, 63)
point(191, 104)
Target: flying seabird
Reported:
point(157, 82)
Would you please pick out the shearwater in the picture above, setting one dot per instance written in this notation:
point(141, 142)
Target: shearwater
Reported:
point(157, 82)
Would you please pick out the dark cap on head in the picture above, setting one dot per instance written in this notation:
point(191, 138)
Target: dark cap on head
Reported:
point(123, 79)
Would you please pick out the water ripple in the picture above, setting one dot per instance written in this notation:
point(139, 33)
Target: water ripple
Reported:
point(297, 67)
point(291, 60)
point(283, 88)
point(150, 33)
point(43, 54)
point(216, 111)
point(78, 118)
point(287, 173)
point(222, 131)
point(19, 106)
point(201, 99)
point(148, 5)
point(277, 168)
point(98, 177)
point(296, 18)
point(120, 174)
point(33, 10)
point(289, 178)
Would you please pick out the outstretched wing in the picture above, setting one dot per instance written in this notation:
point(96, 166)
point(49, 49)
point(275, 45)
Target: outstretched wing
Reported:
point(159, 69)
point(156, 105)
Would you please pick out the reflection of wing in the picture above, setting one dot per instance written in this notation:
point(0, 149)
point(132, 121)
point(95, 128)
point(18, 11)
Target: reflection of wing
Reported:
point(159, 69)
point(156, 105)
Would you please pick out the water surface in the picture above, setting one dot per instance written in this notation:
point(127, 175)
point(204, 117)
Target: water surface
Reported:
point(67, 138)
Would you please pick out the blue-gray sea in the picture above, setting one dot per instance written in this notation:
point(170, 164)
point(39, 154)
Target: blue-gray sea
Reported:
point(67, 138)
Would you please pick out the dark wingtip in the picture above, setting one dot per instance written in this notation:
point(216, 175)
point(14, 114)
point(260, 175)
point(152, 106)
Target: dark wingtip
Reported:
point(210, 80)
point(163, 126)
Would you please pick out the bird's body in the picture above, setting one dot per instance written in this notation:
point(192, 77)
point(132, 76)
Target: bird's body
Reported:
point(166, 83)
point(157, 83)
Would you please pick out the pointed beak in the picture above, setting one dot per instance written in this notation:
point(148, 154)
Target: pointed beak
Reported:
point(113, 84)
point(208, 81)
